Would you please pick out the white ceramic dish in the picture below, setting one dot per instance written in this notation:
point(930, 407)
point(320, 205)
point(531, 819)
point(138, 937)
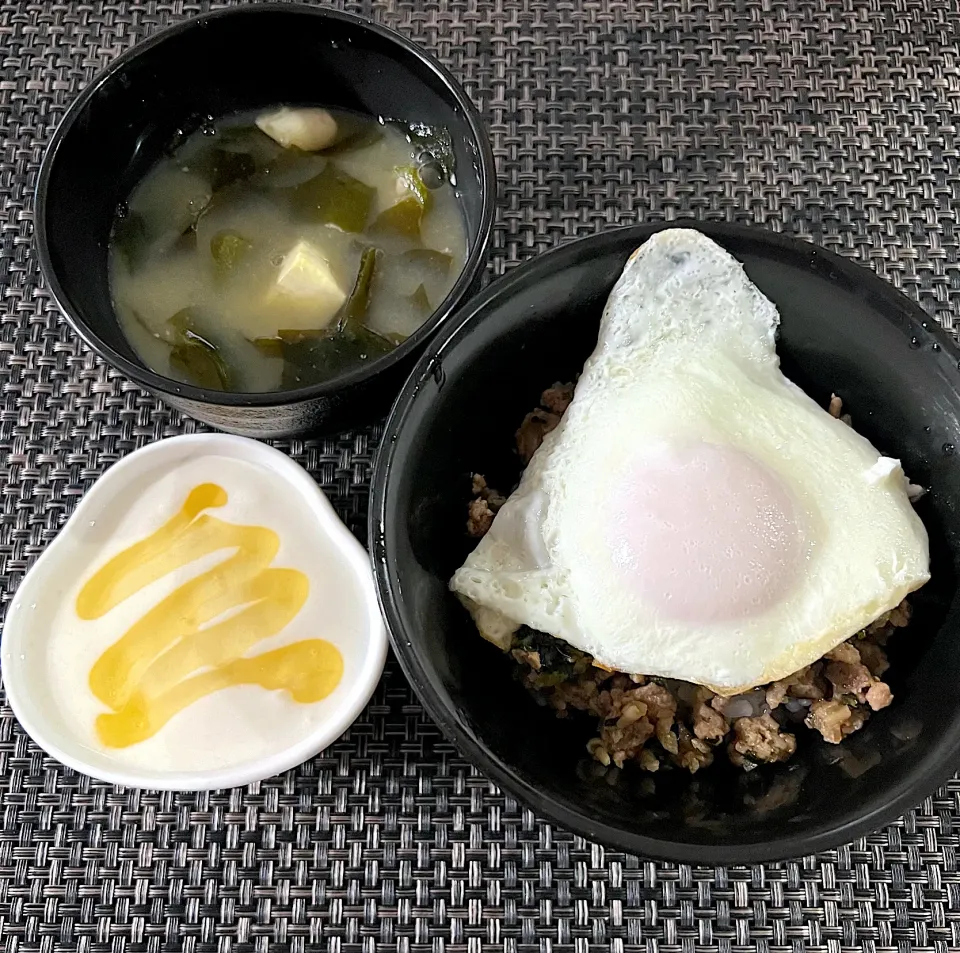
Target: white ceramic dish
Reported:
point(42, 666)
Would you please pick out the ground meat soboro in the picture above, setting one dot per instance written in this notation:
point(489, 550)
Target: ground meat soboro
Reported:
point(483, 507)
point(657, 723)
point(541, 420)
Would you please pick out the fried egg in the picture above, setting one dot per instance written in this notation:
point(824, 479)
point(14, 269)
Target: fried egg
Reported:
point(695, 515)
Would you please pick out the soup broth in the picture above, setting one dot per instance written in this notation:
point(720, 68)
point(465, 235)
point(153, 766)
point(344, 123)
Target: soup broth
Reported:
point(249, 262)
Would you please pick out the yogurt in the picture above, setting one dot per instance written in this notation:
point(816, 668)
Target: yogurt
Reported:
point(202, 613)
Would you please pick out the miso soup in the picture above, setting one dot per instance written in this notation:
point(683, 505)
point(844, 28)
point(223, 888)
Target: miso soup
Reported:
point(274, 250)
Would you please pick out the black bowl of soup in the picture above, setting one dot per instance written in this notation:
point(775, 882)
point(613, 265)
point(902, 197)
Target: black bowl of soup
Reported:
point(261, 214)
point(492, 383)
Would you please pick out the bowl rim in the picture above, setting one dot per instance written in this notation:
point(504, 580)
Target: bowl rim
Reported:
point(473, 265)
point(907, 793)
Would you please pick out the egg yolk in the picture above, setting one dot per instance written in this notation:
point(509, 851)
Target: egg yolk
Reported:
point(704, 533)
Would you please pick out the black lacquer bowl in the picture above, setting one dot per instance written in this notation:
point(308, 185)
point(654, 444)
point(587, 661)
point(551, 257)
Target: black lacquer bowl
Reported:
point(230, 60)
point(843, 330)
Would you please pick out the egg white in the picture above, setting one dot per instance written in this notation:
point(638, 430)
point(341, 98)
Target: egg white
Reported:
point(686, 356)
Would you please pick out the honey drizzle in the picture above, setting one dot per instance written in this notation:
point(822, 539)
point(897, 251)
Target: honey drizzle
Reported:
point(167, 660)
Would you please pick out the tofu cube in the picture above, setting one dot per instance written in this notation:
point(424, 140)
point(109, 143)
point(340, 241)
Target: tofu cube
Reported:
point(308, 129)
point(306, 289)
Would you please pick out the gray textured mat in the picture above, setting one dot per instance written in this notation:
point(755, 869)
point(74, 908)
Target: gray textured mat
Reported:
point(833, 119)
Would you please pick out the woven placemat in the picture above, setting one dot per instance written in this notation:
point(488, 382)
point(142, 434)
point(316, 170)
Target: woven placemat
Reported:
point(831, 119)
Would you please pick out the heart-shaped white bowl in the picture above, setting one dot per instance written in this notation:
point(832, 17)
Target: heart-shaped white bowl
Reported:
point(236, 735)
